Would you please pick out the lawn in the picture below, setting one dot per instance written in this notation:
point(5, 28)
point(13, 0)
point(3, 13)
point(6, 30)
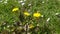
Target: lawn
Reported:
point(29, 16)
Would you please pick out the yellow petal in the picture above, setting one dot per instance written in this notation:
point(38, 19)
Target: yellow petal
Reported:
point(26, 14)
point(36, 14)
point(15, 9)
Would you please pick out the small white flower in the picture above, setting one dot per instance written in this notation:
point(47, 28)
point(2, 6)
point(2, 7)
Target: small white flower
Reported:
point(0, 1)
point(37, 24)
point(48, 19)
point(4, 23)
point(8, 26)
point(5, 2)
point(20, 1)
point(4, 28)
point(29, 4)
point(22, 4)
point(43, 2)
point(56, 13)
point(42, 16)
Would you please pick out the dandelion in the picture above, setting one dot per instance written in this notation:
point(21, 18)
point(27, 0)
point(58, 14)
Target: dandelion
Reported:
point(31, 26)
point(26, 14)
point(37, 14)
point(15, 9)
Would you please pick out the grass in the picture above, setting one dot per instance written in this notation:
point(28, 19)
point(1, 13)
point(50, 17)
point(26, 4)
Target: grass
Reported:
point(48, 8)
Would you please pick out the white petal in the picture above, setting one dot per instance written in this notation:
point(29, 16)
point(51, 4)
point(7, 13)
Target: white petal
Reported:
point(20, 1)
point(48, 19)
point(43, 2)
point(56, 13)
point(23, 4)
point(29, 4)
point(42, 16)
point(8, 26)
point(5, 2)
point(0, 1)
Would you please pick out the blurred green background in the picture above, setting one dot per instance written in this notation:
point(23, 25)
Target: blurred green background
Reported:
point(48, 8)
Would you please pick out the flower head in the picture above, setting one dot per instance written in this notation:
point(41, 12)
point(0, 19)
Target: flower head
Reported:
point(15, 9)
point(26, 13)
point(36, 14)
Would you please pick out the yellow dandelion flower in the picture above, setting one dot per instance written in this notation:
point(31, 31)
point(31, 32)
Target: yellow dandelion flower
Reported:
point(36, 14)
point(15, 9)
point(26, 13)
point(31, 26)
